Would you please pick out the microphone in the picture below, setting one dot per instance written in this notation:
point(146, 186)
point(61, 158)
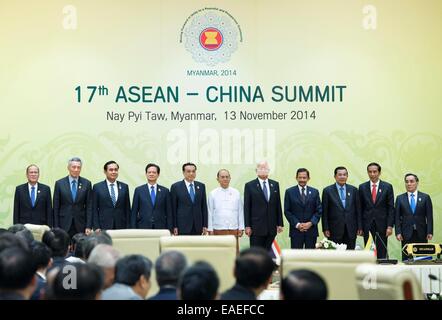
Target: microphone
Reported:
point(384, 261)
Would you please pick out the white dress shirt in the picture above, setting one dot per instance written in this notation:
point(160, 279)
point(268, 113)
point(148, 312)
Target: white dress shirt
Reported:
point(115, 188)
point(415, 197)
point(154, 188)
point(30, 190)
point(225, 210)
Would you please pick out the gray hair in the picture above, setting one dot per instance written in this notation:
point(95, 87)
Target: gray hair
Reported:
point(169, 267)
point(104, 256)
point(75, 159)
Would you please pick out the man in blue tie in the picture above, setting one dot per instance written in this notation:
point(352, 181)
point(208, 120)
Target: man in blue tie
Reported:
point(151, 205)
point(341, 211)
point(32, 200)
point(189, 204)
point(414, 214)
point(110, 201)
point(262, 208)
point(73, 201)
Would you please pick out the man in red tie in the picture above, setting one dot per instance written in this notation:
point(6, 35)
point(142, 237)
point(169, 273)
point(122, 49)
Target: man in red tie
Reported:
point(377, 205)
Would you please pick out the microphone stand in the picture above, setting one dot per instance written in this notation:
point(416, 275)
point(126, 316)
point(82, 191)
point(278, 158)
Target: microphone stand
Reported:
point(384, 261)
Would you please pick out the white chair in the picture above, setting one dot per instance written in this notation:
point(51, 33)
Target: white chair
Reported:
point(140, 241)
point(37, 230)
point(219, 251)
point(387, 282)
point(336, 267)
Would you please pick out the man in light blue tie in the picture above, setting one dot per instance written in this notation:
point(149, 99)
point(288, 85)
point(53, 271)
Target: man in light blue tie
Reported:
point(151, 205)
point(32, 200)
point(341, 215)
point(414, 214)
point(111, 204)
point(189, 204)
point(73, 201)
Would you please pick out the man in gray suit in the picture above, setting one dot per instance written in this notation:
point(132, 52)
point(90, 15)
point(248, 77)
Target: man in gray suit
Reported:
point(73, 201)
point(132, 279)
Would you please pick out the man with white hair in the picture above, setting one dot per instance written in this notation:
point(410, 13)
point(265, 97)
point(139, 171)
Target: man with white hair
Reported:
point(73, 201)
point(106, 257)
point(262, 208)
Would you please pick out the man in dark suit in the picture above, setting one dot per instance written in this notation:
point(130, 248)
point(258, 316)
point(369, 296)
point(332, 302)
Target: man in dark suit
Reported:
point(377, 207)
point(302, 208)
point(262, 208)
point(341, 211)
point(151, 206)
point(168, 269)
point(32, 200)
point(73, 201)
point(189, 204)
point(414, 214)
point(253, 273)
point(110, 200)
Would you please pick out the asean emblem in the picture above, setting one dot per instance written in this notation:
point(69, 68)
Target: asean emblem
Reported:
point(211, 36)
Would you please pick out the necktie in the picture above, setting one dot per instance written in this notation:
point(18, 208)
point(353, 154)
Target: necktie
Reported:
point(341, 189)
point(412, 203)
point(74, 190)
point(192, 193)
point(373, 193)
point(112, 194)
point(152, 195)
point(265, 191)
point(303, 194)
point(33, 196)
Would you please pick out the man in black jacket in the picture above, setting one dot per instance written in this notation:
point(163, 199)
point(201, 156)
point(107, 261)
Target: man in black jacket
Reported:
point(32, 200)
point(262, 208)
point(253, 272)
point(341, 211)
point(73, 201)
point(111, 204)
point(414, 214)
point(189, 204)
point(377, 207)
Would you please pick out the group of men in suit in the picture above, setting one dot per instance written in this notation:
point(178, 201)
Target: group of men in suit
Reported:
point(79, 207)
point(346, 211)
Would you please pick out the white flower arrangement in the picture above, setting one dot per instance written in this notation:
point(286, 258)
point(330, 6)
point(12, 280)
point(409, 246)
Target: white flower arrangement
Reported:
point(330, 245)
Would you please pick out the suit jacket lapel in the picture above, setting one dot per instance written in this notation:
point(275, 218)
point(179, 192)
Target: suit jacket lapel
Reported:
point(338, 197)
point(67, 187)
point(37, 194)
point(259, 188)
point(347, 196)
point(186, 190)
point(380, 192)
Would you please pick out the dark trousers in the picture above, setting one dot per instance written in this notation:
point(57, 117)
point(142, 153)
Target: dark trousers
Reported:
point(380, 240)
point(193, 231)
point(262, 241)
point(303, 240)
point(73, 230)
point(414, 239)
point(349, 240)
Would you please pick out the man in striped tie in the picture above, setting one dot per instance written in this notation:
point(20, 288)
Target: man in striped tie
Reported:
point(110, 204)
point(262, 208)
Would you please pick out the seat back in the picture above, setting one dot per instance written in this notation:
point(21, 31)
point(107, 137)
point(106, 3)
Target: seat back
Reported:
point(336, 267)
point(219, 251)
point(37, 230)
point(387, 282)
